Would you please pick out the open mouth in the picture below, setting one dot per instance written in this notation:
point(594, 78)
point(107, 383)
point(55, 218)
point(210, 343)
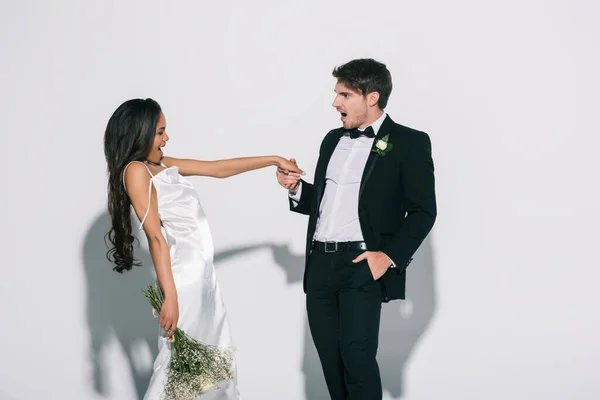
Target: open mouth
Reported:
point(344, 115)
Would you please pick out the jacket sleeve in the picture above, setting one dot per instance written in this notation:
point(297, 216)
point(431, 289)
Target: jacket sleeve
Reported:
point(304, 206)
point(419, 191)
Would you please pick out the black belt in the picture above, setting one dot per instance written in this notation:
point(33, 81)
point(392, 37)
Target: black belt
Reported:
point(332, 247)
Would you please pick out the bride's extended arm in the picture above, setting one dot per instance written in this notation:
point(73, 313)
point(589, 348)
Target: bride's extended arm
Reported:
point(229, 167)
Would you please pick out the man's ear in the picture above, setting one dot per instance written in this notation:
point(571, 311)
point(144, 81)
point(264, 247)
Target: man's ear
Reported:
point(373, 99)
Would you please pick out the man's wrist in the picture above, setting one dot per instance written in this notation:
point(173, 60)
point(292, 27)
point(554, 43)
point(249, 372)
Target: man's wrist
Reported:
point(392, 265)
point(294, 191)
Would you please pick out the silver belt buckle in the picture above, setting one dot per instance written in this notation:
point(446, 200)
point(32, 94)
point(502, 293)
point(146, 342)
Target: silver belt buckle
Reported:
point(335, 248)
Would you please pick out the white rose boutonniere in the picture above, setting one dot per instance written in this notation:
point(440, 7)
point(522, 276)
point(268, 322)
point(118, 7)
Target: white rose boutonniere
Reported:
point(382, 146)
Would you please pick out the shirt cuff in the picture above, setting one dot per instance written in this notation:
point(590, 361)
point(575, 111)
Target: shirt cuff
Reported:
point(296, 197)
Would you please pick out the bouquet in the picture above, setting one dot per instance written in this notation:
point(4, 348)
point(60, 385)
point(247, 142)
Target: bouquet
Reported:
point(194, 367)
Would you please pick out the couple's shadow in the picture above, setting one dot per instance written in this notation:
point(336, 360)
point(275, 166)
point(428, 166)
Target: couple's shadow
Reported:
point(117, 309)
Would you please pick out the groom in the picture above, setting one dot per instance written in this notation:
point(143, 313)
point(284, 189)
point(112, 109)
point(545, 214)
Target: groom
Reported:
point(371, 205)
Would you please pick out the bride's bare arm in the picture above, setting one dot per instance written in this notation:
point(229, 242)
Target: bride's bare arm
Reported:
point(229, 167)
point(137, 181)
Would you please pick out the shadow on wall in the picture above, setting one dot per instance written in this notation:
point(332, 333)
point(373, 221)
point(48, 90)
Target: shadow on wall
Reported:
point(116, 306)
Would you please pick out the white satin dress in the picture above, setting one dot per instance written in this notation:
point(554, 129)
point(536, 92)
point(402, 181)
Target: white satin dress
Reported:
point(202, 313)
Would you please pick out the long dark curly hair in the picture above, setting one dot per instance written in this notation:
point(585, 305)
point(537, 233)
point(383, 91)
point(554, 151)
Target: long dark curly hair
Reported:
point(129, 137)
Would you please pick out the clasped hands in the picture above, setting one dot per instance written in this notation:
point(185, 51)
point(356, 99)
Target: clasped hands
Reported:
point(288, 178)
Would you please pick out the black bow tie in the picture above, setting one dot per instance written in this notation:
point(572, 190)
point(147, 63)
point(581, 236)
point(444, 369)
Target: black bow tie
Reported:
point(355, 133)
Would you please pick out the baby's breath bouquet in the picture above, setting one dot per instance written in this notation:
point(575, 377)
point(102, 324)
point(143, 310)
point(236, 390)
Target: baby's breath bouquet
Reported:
point(194, 367)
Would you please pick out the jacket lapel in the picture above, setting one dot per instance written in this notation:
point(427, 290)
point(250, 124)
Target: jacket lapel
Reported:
point(321, 170)
point(384, 129)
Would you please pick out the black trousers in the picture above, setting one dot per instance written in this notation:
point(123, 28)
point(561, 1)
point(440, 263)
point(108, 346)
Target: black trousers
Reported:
point(343, 303)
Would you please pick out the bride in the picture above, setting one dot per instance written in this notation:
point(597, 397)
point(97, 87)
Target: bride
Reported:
point(178, 233)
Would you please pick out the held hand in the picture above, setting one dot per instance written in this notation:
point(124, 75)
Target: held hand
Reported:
point(289, 166)
point(287, 179)
point(169, 316)
point(378, 262)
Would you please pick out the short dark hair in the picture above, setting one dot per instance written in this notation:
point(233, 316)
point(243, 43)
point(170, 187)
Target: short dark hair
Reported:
point(366, 75)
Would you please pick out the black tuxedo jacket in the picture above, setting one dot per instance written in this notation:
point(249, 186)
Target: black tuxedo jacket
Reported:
point(396, 207)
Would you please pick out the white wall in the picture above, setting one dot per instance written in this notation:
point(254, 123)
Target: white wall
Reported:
point(503, 299)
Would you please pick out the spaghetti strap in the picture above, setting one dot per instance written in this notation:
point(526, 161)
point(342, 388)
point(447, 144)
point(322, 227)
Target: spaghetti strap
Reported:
point(149, 189)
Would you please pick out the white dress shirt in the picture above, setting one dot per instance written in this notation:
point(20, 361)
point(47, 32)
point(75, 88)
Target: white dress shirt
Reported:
point(338, 212)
